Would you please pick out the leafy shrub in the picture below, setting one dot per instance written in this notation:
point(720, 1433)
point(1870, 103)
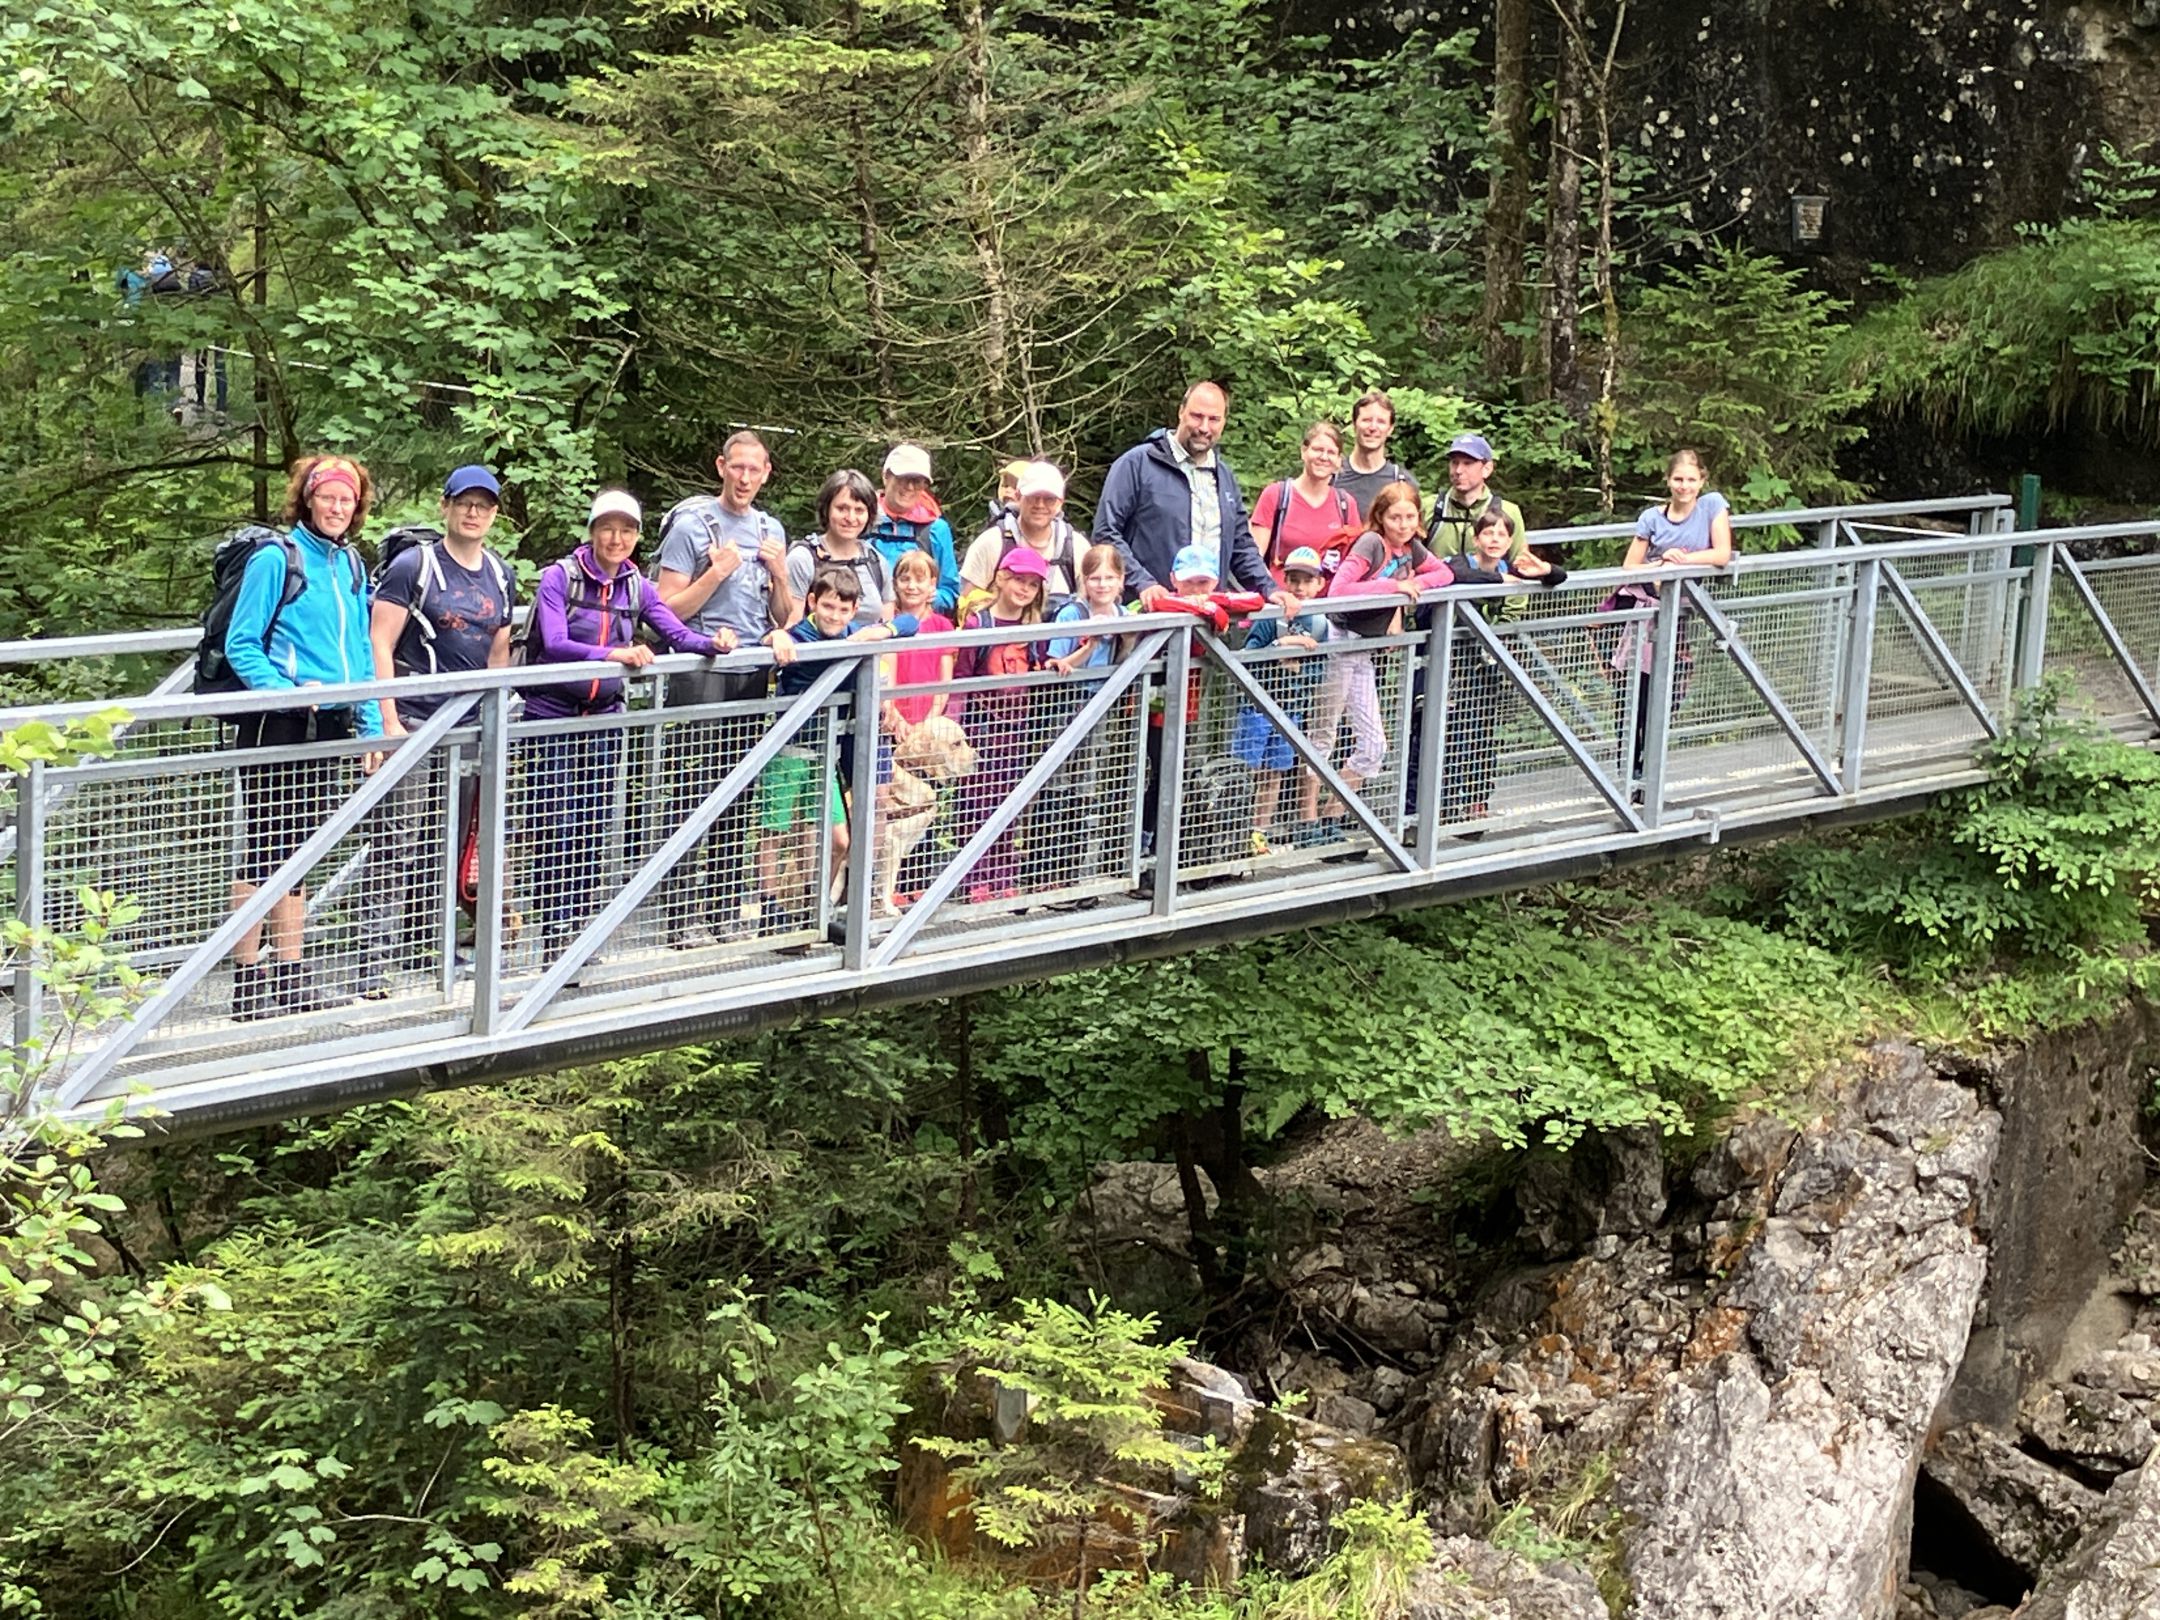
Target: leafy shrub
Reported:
point(2034, 885)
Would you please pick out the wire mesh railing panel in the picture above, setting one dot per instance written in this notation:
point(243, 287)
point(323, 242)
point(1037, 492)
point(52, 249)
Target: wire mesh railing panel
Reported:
point(358, 941)
point(762, 872)
point(1913, 709)
point(1725, 737)
point(953, 753)
point(1976, 617)
point(1245, 784)
point(1082, 832)
point(2129, 594)
point(2076, 648)
point(1504, 762)
point(1245, 793)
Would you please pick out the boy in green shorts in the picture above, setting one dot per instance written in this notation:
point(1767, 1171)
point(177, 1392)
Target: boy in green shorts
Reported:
point(788, 791)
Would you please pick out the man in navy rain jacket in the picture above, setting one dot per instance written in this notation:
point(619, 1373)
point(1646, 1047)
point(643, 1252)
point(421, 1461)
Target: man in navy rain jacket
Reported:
point(1172, 490)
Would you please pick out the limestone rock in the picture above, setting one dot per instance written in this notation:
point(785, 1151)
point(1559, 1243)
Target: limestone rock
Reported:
point(1129, 1233)
point(2030, 1514)
point(2102, 1430)
point(1293, 1476)
point(1778, 1473)
point(1608, 1186)
point(1472, 1580)
point(2114, 1573)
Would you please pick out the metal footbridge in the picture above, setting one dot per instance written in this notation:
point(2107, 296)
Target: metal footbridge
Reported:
point(672, 873)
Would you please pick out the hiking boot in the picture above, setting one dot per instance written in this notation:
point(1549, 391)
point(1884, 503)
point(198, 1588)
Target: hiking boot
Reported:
point(251, 992)
point(692, 937)
point(294, 989)
point(1260, 845)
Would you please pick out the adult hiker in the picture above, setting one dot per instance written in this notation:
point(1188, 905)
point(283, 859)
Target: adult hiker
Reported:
point(908, 518)
point(1369, 468)
point(1451, 533)
point(1039, 524)
point(1172, 490)
point(442, 603)
point(723, 567)
point(1310, 510)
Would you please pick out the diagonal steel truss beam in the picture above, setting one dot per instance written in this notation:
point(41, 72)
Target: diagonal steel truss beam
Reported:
point(1728, 635)
point(1316, 759)
point(2113, 637)
point(403, 760)
point(1060, 750)
point(1938, 650)
point(1476, 625)
point(662, 860)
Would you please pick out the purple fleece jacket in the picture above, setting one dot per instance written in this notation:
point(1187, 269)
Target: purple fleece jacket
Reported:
point(596, 622)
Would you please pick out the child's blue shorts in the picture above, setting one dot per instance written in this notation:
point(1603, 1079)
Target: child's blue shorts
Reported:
point(1258, 743)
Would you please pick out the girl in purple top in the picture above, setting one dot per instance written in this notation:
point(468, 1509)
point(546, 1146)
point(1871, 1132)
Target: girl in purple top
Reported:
point(589, 607)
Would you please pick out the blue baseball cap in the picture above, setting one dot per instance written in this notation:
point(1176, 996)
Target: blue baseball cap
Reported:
point(1472, 445)
point(1195, 562)
point(467, 479)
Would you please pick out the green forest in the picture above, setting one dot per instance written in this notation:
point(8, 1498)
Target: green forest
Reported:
point(653, 1340)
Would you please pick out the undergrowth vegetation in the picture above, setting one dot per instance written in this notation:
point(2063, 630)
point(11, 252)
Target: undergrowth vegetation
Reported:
point(653, 1340)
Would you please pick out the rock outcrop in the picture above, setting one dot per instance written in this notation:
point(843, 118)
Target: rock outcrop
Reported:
point(1473, 1580)
point(1765, 1367)
point(1777, 1479)
point(2114, 1574)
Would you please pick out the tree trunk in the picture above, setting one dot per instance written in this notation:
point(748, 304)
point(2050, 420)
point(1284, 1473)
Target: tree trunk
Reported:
point(868, 261)
point(1189, 1130)
point(1563, 212)
point(983, 224)
point(1507, 207)
point(1606, 415)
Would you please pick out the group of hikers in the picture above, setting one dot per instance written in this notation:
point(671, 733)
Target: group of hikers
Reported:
point(1171, 532)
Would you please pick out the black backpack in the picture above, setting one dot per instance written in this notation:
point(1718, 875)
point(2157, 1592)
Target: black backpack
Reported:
point(213, 670)
point(416, 644)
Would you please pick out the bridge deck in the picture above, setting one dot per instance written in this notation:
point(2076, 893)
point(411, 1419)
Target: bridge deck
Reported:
point(1801, 687)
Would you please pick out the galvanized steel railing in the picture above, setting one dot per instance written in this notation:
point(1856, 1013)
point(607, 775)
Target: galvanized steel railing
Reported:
point(672, 871)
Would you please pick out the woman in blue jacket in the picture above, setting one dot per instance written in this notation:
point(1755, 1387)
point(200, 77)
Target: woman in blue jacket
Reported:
point(282, 640)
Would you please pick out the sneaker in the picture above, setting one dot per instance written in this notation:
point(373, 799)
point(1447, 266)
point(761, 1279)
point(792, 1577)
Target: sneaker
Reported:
point(295, 990)
point(1260, 845)
point(695, 937)
point(980, 894)
point(251, 992)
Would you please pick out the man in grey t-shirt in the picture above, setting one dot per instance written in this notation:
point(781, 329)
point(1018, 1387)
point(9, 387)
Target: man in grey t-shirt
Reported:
point(723, 562)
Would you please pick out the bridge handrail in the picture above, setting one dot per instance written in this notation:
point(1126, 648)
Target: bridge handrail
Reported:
point(521, 677)
point(183, 638)
point(1822, 682)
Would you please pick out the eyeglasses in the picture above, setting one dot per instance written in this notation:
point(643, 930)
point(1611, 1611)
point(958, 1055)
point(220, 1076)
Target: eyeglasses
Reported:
point(472, 503)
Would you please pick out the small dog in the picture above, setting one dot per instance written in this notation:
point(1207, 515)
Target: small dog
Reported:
point(935, 751)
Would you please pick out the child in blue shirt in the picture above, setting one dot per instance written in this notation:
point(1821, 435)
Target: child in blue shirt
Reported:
point(787, 791)
point(1291, 682)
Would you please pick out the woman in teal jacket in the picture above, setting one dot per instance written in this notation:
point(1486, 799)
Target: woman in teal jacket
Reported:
point(279, 641)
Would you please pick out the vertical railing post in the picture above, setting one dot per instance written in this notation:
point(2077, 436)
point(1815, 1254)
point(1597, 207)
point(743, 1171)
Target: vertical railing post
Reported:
point(862, 816)
point(1430, 764)
point(2032, 641)
point(1830, 654)
point(1657, 723)
point(494, 843)
point(453, 824)
point(1858, 675)
point(30, 908)
point(1169, 786)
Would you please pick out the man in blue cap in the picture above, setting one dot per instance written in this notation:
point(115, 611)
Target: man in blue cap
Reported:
point(442, 603)
point(1469, 469)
